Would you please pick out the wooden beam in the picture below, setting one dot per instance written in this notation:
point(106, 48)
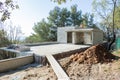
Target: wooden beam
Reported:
point(57, 68)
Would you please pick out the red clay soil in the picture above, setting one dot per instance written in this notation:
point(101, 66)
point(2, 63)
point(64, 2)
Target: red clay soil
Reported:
point(94, 54)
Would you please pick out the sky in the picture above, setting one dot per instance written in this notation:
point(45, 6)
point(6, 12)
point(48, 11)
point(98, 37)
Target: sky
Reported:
point(33, 11)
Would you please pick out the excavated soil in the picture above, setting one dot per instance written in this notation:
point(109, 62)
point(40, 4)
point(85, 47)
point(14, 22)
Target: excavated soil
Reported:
point(81, 71)
point(94, 63)
point(94, 54)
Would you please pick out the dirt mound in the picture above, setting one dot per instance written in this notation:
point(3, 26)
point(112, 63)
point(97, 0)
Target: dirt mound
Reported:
point(94, 54)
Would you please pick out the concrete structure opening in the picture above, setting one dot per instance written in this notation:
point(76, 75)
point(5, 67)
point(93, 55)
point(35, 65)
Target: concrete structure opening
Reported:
point(69, 37)
point(81, 37)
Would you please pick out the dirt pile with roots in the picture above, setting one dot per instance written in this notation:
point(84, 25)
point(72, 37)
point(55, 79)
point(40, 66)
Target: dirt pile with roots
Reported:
point(94, 54)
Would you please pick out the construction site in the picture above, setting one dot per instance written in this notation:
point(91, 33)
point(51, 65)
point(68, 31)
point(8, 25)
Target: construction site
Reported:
point(70, 40)
point(62, 62)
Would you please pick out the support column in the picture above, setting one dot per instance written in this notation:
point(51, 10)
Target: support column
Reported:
point(92, 36)
point(73, 37)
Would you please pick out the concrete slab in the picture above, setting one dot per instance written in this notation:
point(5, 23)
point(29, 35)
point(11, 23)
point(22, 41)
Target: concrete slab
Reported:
point(55, 48)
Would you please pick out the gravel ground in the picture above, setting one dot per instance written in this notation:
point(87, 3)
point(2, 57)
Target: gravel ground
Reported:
point(30, 73)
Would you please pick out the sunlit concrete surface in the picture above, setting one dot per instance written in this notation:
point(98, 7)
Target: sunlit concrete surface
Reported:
point(55, 48)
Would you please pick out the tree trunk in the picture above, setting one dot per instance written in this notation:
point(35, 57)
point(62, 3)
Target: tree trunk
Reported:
point(114, 35)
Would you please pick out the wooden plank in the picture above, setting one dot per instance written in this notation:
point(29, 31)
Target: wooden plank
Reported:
point(57, 68)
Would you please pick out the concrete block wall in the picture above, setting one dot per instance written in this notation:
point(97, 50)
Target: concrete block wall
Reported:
point(97, 37)
point(88, 38)
point(62, 34)
point(40, 59)
point(7, 54)
point(13, 63)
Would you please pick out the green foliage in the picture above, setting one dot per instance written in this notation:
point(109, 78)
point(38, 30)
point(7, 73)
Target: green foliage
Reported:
point(43, 33)
point(4, 41)
point(6, 7)
point(59, 17)
point(32, 39)
point(54, 16)
point(63, 17)
point(42, 29)
point(75, 15)
point(87, 20)
point(104, 10)
point(59, 1)
point(117, 17)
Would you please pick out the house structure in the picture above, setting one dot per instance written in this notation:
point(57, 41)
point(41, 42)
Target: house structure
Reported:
point(77, 35)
